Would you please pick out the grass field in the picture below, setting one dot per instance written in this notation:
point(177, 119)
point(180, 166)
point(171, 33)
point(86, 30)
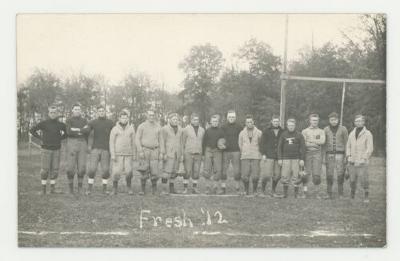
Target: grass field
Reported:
point(62, 220)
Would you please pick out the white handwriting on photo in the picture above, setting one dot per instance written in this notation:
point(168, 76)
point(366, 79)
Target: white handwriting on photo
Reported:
point(147, 219)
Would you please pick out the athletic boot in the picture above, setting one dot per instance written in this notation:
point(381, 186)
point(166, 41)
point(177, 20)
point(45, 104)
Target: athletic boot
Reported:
point(214, 190)
point(340, 190)
point(164, 187)
point(80, 185)
point(172, 188)
point(194, 189)
point(71, 186)
point(52, 188)
point(285, 191)
point(105, 192)
point(90, 188)
point(153, 187)
point(129, 186)
point(263, 186)
point(296, 192)
point(143, 187)
point(44, 188)
point(366, 198)
point(246, 187)
point(274, 194)
point(274, 184)
point(352, 190)
point(223, 191)
point(115, 188)
point(185, 188)
point(329, 185)
point(255, 186)
point(208, 190)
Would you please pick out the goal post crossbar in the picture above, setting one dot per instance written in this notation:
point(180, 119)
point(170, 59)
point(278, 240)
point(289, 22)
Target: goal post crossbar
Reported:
point(327, 79)
point(343, 81)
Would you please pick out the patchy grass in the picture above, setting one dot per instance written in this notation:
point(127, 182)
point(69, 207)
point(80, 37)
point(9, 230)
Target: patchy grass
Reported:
point(250, 221)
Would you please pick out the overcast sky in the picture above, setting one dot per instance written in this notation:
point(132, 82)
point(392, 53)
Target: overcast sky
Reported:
point(114, 45)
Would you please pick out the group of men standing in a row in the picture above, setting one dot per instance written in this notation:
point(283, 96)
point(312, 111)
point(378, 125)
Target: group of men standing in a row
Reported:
point(157, 152)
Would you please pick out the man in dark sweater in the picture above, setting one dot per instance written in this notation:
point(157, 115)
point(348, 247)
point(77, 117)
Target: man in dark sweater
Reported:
point(52, 132)
point(269, 149)
point(76, 147)
point(291, 155)
point(231, 154)
point(212, 154)
point(100, 148)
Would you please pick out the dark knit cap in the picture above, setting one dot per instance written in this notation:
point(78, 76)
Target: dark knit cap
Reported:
point(333, 115)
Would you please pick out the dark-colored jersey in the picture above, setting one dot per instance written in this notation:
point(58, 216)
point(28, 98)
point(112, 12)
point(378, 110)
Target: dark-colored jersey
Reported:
point(269, 142)
point(101, 132)
point(77, 123)
point(211, 137)
point(291, 145)
point(53, 131)
point(231, 134)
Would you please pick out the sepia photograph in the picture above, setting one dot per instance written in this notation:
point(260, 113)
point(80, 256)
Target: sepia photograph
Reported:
point(200, 130)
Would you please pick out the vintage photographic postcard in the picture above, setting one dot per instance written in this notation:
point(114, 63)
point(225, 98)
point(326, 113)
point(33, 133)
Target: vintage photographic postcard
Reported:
point(201, 130)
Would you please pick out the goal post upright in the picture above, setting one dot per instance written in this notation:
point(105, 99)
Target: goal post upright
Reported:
point(342, 103)
point(282, 107)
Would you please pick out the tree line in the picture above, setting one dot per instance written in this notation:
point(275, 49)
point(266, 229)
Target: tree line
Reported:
point(250, 86)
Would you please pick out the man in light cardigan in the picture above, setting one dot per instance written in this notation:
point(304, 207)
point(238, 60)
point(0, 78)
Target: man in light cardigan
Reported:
point(359, 148)
point(171, 149)
point(250, 155)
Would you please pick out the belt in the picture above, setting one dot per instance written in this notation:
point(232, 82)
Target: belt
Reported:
point(335, 152)
point(150, 148)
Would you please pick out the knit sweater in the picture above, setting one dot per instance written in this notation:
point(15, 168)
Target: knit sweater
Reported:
point(101, 132)
point(122, 141)
point(171, 142)
point(53, 132)
point(269, 142)
point(291, 145)
point(314, 139)
point(359, 149)
point(335, 141)
point(250, 148)
point(231, 134)
point(148, 136)
point(211, 137)
point(192, 142)
point(76, 123)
